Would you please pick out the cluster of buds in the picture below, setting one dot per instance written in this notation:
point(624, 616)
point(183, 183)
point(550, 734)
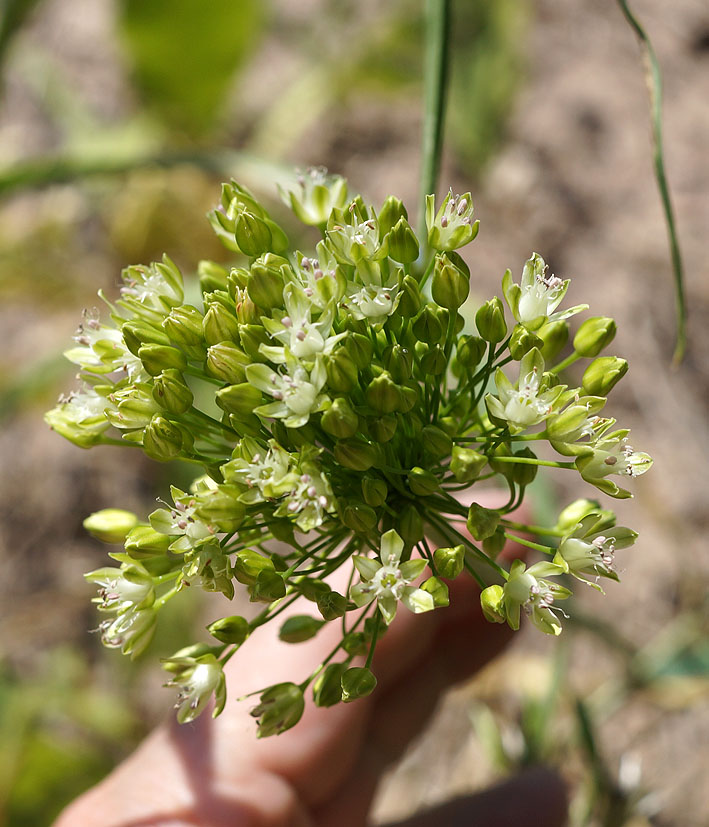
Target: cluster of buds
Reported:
point(335, 405)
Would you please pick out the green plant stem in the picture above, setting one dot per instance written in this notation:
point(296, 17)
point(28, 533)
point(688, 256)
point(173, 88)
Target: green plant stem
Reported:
point(531, 461)
point(437, 28)
point(533, 529)
point(654, 82)
point(529, 544)
point(565, 363)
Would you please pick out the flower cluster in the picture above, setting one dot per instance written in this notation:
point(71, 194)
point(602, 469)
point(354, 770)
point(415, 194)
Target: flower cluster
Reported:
point(335, 404)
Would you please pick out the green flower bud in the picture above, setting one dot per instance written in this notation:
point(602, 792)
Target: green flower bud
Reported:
point(434, 361)
point(339, 420)
point(450, 285)
point(523, 473)
point(310, 588)
point(522, 341)
point(144, 541)
point(572, 515)
point(238, 399)
point(110, 525)
point(164, 440)
point(403, 244)
point(436, 443)
point(466, 464)
point(427, 328)
point(221, 507)
point(184, 327)
point(281, 707)
point(410, 301)
point(438, 590)
point(327, 687)
point(360, 349)
point(391, 212)
point(232, 629)
point(156, 358)
point(220, 325)
point(603, 374)
point(269, 586)
point(252, 234)
point(226, 361)
point(135, 407)
point(299, 628)
point(171, 392)
point(383, 428)
point(399, 362)
point(493, 545)
point(374, 491)
point(449, 562)
point(422, 482)
point(490, 321)
point(252, 336)
point(357, 682)
point(482, 522)
point(554, 336)
point(449, 424)
point(355, 643)
point(594, 335)
point(244, 424)
point(383, 394)
point(266, 287)
point(470, 350)
point(356, 455)
point(331, 605)
point(212, 276)
point(137, 333)
point(341, 371)
point(249, 564)
point(491, 601)
point(410, 525)
point(359, 517)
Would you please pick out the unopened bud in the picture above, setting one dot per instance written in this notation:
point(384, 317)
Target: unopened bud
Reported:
point(522, 341)
point(171, 392)
point(238, 399)
point(110, 525)
point(403, 244)
point(359, 517)
point(482, 522)
point(603, 374)
point(410, 525)
point(227, 361)
point(436, 443)
point(220, 325)
point(281, 707)
point(554, 336)
point(410, 298)
point(252, 234)
point(339, 420)
point(327, 687)
point(491, 601)
point(374, 491)
point(427, 328)
point(184, 327)
point(449, 562)
point(450, 285)
point(422, 482)
point(466, 463)
point(470, 350)
point(594, 335)
point(332, 605)
point(299, 628)
point(438, 591)
point(356, 455)
point(164, 440)
point(357, 682)
point(490, 321)
point(232, 629)
point(341, 371)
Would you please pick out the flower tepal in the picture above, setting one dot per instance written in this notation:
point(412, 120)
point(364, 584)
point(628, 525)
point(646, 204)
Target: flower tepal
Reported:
point(338, 404)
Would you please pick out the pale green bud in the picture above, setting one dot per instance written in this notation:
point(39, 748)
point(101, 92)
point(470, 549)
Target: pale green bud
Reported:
point(310, 588)
point(554, 336)
point(220, 325)
point(137, 333)
point(357, 682)
point(383, 428)
point(482, 522)
point(399, 362)
point(184, 327)
point(339, 420)
point(449, 562)
point(391, 212)
point(227, 361)
point(233, 629)
point(327, 687)
point(466, 463)
point(403, 244)
point(436, 443)
point(383, 394)
point(450, 285)
point(427, 328)
point(156, 358)
point(410, 298)
point(523, 473)
point(438, 591)
point(265, 286)
point(572, 515)
point(171, 392)
point(355, 643)
point(522, 341)
point(144, 541)
point(434, 361)
point(470, 350)
point(603, 374)
point(269, 586)
point(341, 371)
point(331, 605)
point(164, 440)
point(221, 507)
point(374, 491)
point(490, 321)
point(249, 564)
point(252, 234)
point(356, 455)
point(299, 628)
point(491, 601)
point(422, 482)
point(238, 399)
point(135, 407)
point(594, 335)
point(493, 545)
point(359, 517)
point(410, 525)
point(110, 525)
point(360, 349)
point(252, 336)
point(281, 707)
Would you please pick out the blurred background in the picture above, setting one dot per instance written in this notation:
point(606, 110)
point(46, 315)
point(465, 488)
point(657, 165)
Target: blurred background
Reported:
point(119, 119)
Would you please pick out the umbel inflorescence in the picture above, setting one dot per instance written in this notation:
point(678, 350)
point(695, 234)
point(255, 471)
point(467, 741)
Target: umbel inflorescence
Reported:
point(336, 405)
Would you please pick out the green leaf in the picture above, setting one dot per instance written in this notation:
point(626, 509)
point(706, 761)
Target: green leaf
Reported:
point(184, 54)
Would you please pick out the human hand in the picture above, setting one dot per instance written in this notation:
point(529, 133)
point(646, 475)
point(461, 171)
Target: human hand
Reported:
point(324, 772)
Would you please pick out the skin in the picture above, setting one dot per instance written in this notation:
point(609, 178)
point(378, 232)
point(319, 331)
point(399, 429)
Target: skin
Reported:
point(324, 772)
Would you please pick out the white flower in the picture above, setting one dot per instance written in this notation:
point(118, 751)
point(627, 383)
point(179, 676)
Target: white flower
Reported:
point(587, 550)
point(197, 679)
point(158, 286)
point(526, 404)
point(534, 300)
point(297, 391)
point(317, 195)
point(181, 522)
point(101, 349)
point(122, 590)
point(612, 455)
point(525, 589)
point(310, 501)
point(131, 631)
point(373, 303)
point(387, 581)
